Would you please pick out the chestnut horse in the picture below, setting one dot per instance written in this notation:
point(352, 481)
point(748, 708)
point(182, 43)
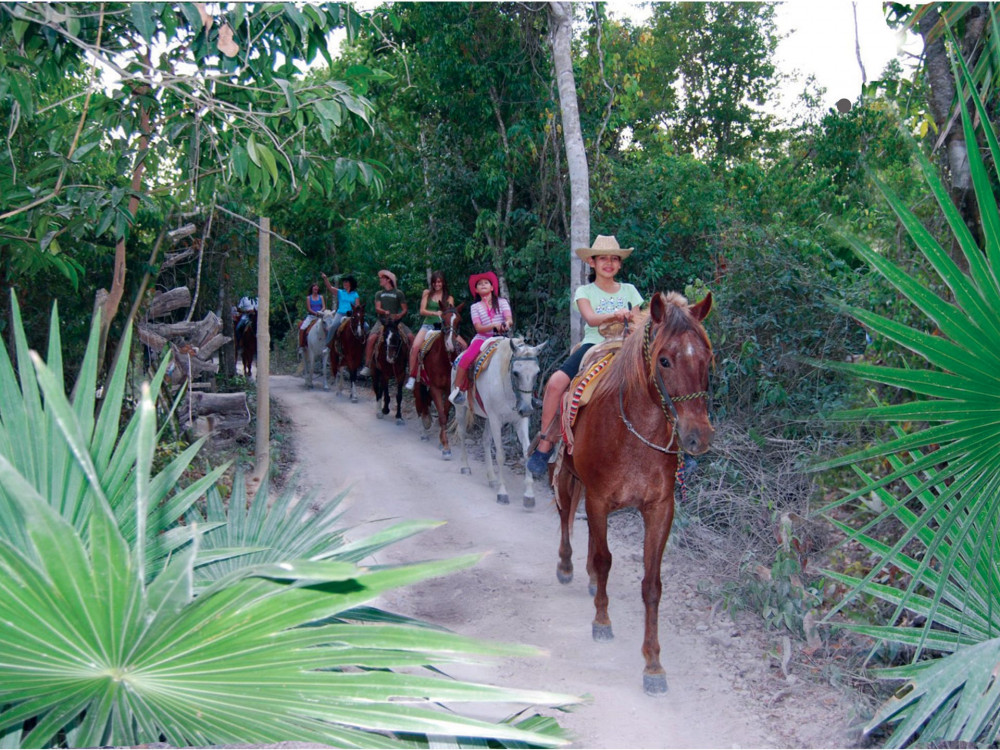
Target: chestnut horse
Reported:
point(348, 349)
point(391, 360)
point(435, 376)
point(649, 406)
point(245, 332)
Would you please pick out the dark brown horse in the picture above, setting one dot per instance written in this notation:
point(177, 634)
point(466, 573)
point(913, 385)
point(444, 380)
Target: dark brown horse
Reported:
point(435, 376)
point(245, 333)
point(391, 360)
point(649, 406)
point(348, 350)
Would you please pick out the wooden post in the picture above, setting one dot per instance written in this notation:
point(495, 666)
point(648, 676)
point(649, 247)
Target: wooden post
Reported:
point(262, 455)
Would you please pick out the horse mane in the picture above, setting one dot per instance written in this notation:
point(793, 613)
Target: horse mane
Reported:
point(629, 365)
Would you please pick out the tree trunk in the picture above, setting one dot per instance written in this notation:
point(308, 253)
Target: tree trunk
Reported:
point(561, 33)
point(941, 80)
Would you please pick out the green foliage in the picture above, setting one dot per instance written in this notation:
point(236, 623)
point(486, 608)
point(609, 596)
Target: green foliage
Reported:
point(121, 625)
point(942, 474)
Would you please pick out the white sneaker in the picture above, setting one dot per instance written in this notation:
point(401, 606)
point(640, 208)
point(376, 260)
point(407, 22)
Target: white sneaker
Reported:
point(410, 383)
point(364, 372)
point(457, 397)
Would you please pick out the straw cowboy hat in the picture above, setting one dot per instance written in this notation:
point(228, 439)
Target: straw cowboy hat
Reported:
point(477, 277)
point(389, 275)
point(605, 244)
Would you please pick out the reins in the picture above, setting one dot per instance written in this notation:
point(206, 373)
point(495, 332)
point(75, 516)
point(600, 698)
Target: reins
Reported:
point(666, 402)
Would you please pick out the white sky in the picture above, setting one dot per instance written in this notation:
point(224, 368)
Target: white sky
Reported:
point(819, 40)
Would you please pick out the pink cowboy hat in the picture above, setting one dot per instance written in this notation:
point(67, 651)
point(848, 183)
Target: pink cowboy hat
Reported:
point(477, 277)
point(389, 275)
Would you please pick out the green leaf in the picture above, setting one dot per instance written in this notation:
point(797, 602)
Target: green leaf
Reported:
point(142, 17)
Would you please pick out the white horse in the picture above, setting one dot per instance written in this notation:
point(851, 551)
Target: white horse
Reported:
point(316, 348)
point(505, 388)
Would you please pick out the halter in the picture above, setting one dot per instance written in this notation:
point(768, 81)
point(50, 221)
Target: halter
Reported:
point(665, 400)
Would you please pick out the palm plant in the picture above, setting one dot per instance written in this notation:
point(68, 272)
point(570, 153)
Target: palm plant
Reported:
point(122, 624)
point(949, 472)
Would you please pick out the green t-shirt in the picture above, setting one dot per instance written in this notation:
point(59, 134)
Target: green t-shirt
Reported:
point(603, 303)
point(391, 301)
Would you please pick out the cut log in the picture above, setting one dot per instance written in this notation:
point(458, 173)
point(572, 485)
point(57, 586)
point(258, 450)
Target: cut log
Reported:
point(173, 259)
point(223, 411)
point(194, 333)
point(213, 345)
point(169, 301)
point(153, 340)
point(181, 232)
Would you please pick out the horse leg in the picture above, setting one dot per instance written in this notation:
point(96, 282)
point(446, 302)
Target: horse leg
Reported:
point(599, 559)
point(399, 401)
point(443, 406)
point(309, 366)
point(567, 497)
point(496, 435)
point(524, 438)
point(657, 518)
point(461, 414)
point(325, 367)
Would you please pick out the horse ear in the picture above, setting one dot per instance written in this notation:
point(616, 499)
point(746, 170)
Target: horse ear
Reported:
point(657, 308)
point(703, 308)
point(541, 346)
point(460, 308)
point(513, 345)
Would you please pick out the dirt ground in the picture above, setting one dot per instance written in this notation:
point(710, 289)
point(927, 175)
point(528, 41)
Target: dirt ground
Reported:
point(727, 684)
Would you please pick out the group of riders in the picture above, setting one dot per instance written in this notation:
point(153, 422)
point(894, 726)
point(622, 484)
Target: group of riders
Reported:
point(602, 301)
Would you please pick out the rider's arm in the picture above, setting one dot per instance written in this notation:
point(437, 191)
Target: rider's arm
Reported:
point(402, 310)
point(379, 310)
point(596, 319)
point(334, 292)
point(424, 312)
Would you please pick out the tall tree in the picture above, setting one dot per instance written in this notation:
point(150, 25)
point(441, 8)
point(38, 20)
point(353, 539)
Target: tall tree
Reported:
point(561, 30)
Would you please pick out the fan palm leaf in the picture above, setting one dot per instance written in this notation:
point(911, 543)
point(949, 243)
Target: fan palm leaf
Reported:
point(942, 483)
point(119, 627)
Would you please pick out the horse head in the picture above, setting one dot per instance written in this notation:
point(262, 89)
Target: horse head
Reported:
point(357, 319)
point(450, 320)
point(393, 340)
point(524, 369)
point(678, 356)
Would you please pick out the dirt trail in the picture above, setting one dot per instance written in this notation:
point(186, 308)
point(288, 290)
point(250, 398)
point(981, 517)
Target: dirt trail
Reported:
point(726, 689)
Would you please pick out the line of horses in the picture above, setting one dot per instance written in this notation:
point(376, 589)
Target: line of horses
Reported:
point(648, 408)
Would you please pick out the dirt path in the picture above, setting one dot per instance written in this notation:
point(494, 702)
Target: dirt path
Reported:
point(726, 688)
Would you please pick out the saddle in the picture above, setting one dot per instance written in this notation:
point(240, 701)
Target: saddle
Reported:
point(582, 387)
point(429, 340)
point(490, 347)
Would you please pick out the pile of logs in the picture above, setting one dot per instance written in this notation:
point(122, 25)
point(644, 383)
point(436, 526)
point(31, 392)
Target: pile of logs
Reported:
point(192, 345)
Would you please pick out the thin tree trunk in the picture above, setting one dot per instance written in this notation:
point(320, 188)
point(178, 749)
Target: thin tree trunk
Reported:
point(263, 443)
point(561, 33)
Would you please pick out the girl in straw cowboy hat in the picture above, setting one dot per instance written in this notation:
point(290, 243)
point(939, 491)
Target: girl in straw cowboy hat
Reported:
point(490, 316)
point(603, 300)
point(390, 304)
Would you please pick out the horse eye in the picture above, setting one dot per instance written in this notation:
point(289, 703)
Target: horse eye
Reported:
point(664, 362)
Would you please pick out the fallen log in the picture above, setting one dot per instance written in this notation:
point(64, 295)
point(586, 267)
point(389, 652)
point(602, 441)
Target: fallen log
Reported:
point(222, 411)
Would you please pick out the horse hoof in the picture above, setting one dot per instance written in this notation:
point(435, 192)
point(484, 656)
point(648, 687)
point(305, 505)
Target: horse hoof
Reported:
point(602, 633)
point(446, 455)
point(465, 470)
point(424, 439)
point(400, 421)
point(564, 576)
point(592, 589)
point(503, 499)
point(380, 415)
point(529, 502)
point(354, 399)
point(654, 684)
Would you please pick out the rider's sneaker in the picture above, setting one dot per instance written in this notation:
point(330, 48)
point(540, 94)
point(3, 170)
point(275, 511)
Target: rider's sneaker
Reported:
point(457, 397)
point(364, 372)
point(410, 383)
point(538, 462)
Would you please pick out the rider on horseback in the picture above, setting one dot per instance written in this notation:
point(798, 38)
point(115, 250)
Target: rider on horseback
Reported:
point(315, 305)
point(390, 304)
point(433, 304)
point(603, 300)
point(490, 316)
point(344, 300)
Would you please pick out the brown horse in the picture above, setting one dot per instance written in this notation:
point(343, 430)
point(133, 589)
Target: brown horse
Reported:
point(435, 376)
point(348, 349)
point(649, 406)
point(391, 360)
point(245, 332)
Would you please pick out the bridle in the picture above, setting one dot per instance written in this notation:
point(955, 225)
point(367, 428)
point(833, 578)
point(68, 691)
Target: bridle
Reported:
point(513, 381)
point(666, 402)
point(449, 331)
